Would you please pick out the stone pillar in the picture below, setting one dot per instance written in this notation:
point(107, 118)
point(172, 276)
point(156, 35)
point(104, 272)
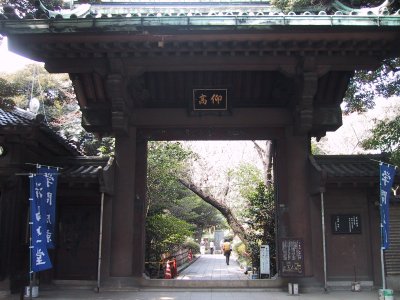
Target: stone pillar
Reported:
point(122, 243)
point(294, 220)
point(140, 204)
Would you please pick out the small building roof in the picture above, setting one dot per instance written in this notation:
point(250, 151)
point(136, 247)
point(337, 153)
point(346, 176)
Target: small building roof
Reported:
point(350, 169)
point(17, 118)
point(74, 168)
point(349, 165)
point(83, 167)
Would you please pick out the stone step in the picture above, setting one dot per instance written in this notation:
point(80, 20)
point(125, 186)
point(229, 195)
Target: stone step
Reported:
point(346, 285)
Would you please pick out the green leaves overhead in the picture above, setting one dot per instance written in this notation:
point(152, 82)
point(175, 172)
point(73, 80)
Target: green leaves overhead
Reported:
point(57, 99)
point(8, 90)
point(301, 5)
point(386, 137)
point(247, 177)
point(166, 232)
point(166, 160)
point(366, 86)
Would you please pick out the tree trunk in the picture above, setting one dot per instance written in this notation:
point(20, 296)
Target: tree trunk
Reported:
point(266, 156)
point(222, 208)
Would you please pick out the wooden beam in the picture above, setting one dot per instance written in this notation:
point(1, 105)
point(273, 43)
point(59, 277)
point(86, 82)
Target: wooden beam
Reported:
point(240, 117)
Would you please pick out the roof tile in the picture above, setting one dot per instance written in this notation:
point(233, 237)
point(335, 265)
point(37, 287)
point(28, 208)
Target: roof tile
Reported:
point(18, 117)
point(350, 165)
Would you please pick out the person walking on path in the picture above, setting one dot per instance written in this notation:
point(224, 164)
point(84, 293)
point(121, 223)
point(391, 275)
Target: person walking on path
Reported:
point(212, 247)
point(227, 250)
point(202, 247)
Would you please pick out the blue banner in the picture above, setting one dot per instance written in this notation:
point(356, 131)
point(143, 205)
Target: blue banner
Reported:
point(49, 175)
point(40, 259)
point(387, 173)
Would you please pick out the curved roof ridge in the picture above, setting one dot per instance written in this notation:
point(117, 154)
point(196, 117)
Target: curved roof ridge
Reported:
point(203, 8)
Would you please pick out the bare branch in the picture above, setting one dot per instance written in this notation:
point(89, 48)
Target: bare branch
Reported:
point(222, 208)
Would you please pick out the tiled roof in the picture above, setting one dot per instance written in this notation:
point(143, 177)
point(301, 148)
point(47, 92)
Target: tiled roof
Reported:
point(208, 13)
point(16, 117)
point(23, 119)
point(349, 166)
point(206, 8)
point(83, 167)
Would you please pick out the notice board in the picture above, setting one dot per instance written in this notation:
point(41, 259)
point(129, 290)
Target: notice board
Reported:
point(264, 260)
point(346, 224)
point(291, 257)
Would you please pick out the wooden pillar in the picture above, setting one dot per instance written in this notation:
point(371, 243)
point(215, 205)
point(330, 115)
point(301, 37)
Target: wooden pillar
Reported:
point(122, 243)
point(294, 220)
point(140, 203)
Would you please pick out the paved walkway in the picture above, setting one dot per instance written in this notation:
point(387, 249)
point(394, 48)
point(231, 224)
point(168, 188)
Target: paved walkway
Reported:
point(207, 267)
point(213, 267)
point(198, 295)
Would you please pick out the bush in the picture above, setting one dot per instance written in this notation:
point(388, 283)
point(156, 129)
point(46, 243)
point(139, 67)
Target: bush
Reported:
point(243, 256)
point(229, 237)
point(192, 245)
point(165, 233)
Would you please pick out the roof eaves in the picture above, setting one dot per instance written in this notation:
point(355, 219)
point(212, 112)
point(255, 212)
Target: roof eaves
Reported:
point(136, 24)
point(82, 167)
point(350, 167)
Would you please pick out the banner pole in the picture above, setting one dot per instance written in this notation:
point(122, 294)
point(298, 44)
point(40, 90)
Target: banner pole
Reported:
point(100, 241)
point(323, 240)
point(30, 245)
point(382, 260)
point(30, 255)
point(383, 270)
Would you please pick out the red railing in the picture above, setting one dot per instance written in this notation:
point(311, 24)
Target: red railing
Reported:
point(168, 267)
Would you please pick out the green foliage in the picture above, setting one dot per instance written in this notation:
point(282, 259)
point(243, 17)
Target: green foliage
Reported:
point(165, 160)
point(262, 203)
point(315, 149)
point(195, 211)
point(192, 245)
point(240, 249)
point(21, 7)
point(301, 5)
point(244, 258)
point(30, 8)
point(297, 5)
point(8, 90)
point(174, 213)
point(58, 102)
point(166, 233)
point(260, 217)
point(35, 81)
point(366, 86)
point(247, 177)
point(385, 137)
point(106, 147)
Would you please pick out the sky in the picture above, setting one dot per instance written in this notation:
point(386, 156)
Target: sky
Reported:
point(356, 127)
point(11, 62)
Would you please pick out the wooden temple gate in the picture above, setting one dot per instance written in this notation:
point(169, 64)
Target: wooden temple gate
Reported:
point(135, 77)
